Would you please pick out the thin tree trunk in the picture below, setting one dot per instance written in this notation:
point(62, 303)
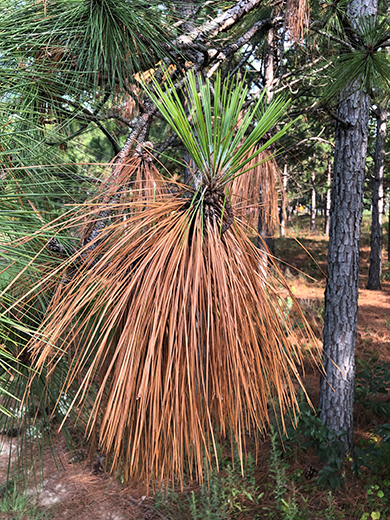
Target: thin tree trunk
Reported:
point(375, 272)
point(269, 65)
point(290, 212)
point(186, 8)
point(281, 45)
point(388, 237)
point(264, 227)
point(341, 295)
point(328, 197)
point(313, 203)
point(283, 203)
point(264, 230)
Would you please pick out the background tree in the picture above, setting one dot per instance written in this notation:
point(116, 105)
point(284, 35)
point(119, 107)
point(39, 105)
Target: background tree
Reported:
point(375, 271)
point(341, 296)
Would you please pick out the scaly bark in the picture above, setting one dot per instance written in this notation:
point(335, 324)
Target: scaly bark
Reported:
point(374, 275)
point(221, 23)
point(341, 295)
point(328, 197)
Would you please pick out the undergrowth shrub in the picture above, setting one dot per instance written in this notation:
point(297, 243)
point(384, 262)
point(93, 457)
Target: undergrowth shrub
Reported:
point(224, 494)
point(310, 431)
point(372, 379)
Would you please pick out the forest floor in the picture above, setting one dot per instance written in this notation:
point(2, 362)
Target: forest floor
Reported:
point(284, 481)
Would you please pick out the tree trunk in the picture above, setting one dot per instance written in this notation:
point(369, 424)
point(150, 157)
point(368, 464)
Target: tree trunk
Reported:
point(328, 197)
point(283, 203)
point(388, 237)
point(186, 8)
point(341, 295)
point(264, 231)
point(313, 203)
point(375, 272)
point(269, 65)
point(264, 228)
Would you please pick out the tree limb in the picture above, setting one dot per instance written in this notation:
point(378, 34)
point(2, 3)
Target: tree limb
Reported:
point(219, 24)
point(296, 71)
point(343, 43)
point(166, 144)
point(222, 55)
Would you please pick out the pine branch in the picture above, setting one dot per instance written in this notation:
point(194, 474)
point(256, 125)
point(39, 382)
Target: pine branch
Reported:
point(342, 122)
point(166, 144)
point(242, 62)
point(110, 137)
point(343, 43)
point(92, 116)
point(316, 138)
point(220, 24)
point(103, 117)
point(296, 71)
point(222, 55)
point(193, 14)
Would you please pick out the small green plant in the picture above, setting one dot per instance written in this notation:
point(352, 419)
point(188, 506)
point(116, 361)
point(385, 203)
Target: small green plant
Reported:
point(386, 272)
point(375, 515)
point(328, 446)
point(330, 512)
point(287, 505)
point(388, 319)
point(375, 455)
point(372, 379)
point(224, 494)
point(376, 503)
point(277, 470)
point(211, 503)
point(290, 508)
point(20, 505)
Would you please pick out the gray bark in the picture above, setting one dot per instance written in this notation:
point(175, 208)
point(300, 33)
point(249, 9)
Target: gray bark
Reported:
point(313, 202)
point(375, 272)
point(341, 295)
point(223, 22)
point(328, 197)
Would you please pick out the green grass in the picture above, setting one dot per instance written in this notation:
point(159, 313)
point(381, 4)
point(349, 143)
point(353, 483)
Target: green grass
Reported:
point(21, 505)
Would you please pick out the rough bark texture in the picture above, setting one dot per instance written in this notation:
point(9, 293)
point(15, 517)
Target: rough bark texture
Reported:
point(341, 295)
point(328, 197)
point(374, 275)
point(222, 23)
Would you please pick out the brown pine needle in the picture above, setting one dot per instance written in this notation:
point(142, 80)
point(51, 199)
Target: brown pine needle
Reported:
point(174, 331)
